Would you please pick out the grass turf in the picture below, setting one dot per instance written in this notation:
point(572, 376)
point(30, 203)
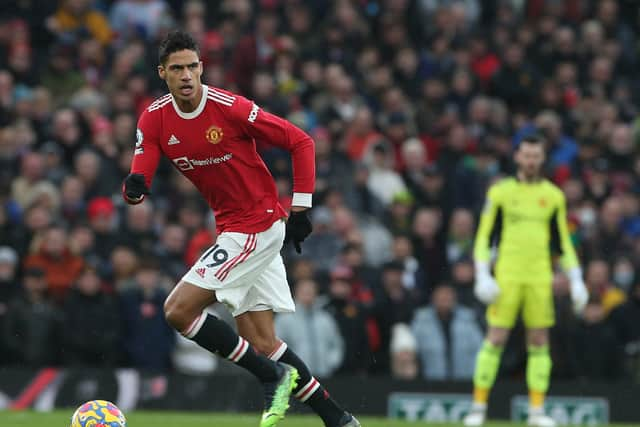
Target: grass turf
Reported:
point(188, 419)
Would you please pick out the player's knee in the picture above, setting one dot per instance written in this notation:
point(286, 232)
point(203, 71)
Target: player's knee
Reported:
point(176, 314)
point(498, 341)
point(537, 338)
point(497, 337)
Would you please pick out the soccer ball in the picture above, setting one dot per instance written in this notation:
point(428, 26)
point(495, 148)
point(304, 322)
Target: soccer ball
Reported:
point(98, 413)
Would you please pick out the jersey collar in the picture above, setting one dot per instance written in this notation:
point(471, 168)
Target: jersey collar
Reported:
point(195, 113)
point(536, 181)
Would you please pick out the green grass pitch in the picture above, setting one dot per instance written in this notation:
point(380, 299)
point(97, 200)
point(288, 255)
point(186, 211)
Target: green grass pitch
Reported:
point(189, 419)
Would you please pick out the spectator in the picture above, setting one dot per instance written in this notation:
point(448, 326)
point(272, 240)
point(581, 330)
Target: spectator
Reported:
point(333, 168)
point(608, 15)
point(431, 107)
point(36, 220)
point(148, 340)
point(470, 9)
point(404, 357)
point(624, 274)
point(138, 229)
point(593, 334)
point(168, 252)
point(624, 319)
point(361, 199)
point(562, 149)
point(598, 281)
point(460, 236)
point(398, 217)
point(428, 244)
point(323, 246)
point(61, 78)
point(255, 50)
point(393, 304)
point(101, 213)
point(366, 232)
point(9, 289)
point(32, 324)
point(66, 132)
point(609, 235)
point(53, 255)
point(144, 19)
point(462, 280)
point(432, 191)
point(350, 315)
point(448, 337)
point(91, 334)
point(361, 134)
point(343, 101)
point(55, 169)
point(82, 241)
point(31, 184)
point(75, 18)
point(620, 150)
point(87, 166)
point(414, 159)
point(124, 263)
point(383, 181)
point(362, 275)
point(515, 82)
point(473, 175)
point(413, 277)
point(9, 285)
point(599, 186)
point(312, 332)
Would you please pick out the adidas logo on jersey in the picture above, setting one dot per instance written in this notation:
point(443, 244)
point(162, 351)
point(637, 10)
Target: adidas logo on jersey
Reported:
point(200, 272)
point(173, 140)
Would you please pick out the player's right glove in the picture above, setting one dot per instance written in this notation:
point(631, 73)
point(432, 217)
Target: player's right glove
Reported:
point(485, 288)
point(134, 188)
point(298, 228)
point(579, 291)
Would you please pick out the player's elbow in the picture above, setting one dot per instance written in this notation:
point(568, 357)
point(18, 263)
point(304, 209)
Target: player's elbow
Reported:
point(300, 140)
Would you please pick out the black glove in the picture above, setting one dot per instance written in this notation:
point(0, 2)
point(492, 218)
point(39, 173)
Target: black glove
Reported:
point(135, 186)
point(298, 228)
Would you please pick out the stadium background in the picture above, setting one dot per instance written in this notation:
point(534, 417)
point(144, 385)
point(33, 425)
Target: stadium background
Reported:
point(415, 107)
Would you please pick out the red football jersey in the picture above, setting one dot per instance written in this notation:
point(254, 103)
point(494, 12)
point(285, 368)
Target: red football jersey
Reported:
point(214, 147)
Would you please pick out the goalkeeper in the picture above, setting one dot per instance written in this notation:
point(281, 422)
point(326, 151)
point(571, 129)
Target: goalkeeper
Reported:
point(525, 217)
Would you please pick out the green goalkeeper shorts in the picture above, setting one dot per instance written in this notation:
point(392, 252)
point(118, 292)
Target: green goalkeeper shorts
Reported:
point(534, 299)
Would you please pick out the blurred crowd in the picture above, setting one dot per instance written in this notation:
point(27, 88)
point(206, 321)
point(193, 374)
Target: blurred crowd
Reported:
point(415, 107)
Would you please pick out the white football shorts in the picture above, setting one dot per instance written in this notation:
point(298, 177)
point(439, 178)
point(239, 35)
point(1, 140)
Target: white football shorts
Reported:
point(246, 271)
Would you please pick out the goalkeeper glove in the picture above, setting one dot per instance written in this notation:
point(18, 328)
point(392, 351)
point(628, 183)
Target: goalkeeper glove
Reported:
point(486, 289)
point(134, 188)
point(579, 292)
point(298, 228)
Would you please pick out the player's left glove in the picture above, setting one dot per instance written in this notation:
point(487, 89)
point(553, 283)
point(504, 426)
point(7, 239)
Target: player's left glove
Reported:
point(298, 228)
point(579, 291)
point(485, 288)
point(134, 188)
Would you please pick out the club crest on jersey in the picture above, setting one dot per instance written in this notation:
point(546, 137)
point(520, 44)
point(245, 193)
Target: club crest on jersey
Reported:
point(214, 134)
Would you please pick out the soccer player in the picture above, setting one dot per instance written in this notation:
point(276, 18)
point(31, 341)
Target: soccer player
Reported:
point(209, 135)
point(525, 217)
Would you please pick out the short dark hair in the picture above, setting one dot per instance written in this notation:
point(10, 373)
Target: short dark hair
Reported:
point(176, 41)
point(533, 138)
